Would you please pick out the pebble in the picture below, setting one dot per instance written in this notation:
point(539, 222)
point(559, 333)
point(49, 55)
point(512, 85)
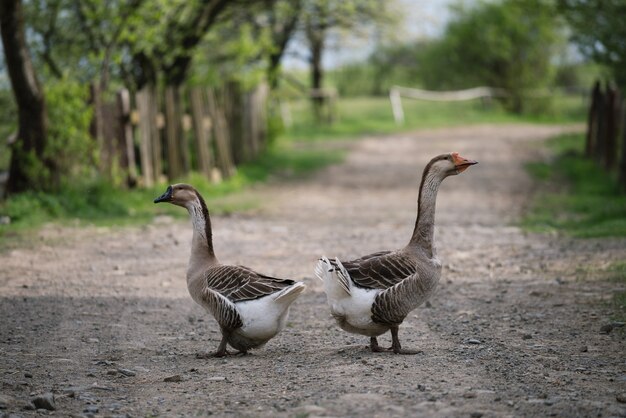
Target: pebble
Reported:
point(127, 372)
point(469, 395)
point(45, 401)
point(4, 401)
point(174, 378)
point(91, 409)
point(606, 329)
point(216, 379)
point(527, 337)
point(476, 415)
point(621, 397)
point(472, 341)
point(584, 349)
point(28, 375)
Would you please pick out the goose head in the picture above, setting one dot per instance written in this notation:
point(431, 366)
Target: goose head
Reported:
point(449, 164)
point(178, 194)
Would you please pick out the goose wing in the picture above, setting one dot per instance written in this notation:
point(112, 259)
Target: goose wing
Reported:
point(380, 270)
point(239, 283)
point(222, 309)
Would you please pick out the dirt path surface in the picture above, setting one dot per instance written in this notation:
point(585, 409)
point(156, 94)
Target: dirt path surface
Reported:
point(101, 317)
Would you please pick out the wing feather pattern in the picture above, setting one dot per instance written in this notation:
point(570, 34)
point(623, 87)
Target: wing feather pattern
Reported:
point(239, 283)
point(222, 309)
point(380, 270)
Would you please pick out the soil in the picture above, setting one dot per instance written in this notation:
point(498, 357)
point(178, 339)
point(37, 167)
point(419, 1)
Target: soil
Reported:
point(520, 325)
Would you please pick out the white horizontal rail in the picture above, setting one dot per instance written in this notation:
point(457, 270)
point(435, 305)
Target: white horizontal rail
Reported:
point(396, 92)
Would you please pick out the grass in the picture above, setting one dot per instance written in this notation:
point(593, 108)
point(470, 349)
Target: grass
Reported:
point(576, 196)
point(372, 116)
point(99, 203)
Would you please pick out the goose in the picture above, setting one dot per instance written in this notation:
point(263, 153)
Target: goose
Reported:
point(373, 294)
point(250, 308)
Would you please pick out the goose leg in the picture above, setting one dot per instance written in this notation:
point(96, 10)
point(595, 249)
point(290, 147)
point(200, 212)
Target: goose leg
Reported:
point(374, 346)
point(221, 351)
point(396, 347)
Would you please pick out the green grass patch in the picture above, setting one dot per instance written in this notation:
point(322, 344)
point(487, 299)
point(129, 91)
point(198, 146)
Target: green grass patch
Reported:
point(360, 116)
point(101, 204)
point(576, 196)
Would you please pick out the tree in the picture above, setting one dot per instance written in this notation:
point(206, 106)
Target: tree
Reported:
point(508, 44)
point(600, 31)
point(322, 16)
point(28, 155)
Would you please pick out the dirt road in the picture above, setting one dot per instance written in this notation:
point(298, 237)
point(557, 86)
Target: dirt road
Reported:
point(101, 317)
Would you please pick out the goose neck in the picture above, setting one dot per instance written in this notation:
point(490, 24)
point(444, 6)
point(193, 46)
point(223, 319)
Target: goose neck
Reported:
point(425, 223)
point(202, 241)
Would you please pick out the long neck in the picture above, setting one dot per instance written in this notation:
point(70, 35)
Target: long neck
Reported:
point(425, 223)
point(202, 242)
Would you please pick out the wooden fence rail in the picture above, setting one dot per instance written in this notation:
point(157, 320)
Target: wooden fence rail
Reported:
point(178, 130)
point(606, 130)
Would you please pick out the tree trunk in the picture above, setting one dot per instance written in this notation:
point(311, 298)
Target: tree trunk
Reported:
point(29, 96)
point(317, 74)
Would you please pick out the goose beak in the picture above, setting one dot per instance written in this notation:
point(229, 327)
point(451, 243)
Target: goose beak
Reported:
point(461, 163)
point(165, 197)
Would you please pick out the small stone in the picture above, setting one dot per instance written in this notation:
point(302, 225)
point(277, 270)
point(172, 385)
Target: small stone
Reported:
point(527, 337)
point(617, 324)
point(584, 349)
point(4, 401)
point(476, 414)
point(469, 395)
point(174, 378)
point(5, 220)
point(621, 397)
point(93, 340)
point(606, 329)
point(473, 341)
point(127, 372)
point(29, 407)
point(111, 372)
point(216, 379)
point(28, 375)
point(91, 409)
point(45, 401)
point(421, 388)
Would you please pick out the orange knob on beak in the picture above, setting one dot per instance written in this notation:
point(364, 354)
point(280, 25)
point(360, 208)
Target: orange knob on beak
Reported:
point(461, 163)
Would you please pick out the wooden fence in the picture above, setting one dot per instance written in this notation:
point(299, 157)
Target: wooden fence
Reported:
point(606, 130)
point(158, 135)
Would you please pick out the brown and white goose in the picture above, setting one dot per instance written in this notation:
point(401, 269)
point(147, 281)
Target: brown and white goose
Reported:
point(373, 294)
point(249, 307)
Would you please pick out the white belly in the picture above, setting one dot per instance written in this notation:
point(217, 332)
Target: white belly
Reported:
point(354, 313)
point(262, 318)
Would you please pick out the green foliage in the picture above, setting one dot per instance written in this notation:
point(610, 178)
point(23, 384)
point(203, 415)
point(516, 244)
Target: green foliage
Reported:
point(507, 44)
point(577, 197)
point(69, 141)
point(8, 126)
point(100, 203)
point(371, 116)
point(599, 30)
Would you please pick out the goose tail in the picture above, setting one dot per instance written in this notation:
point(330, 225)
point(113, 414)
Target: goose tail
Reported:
point(289, 295)
point(323, 269)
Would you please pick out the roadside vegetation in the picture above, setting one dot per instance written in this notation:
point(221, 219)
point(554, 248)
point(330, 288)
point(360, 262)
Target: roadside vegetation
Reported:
point(575, 196)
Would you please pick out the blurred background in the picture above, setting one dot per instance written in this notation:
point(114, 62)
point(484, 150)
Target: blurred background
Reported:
point(118, 98)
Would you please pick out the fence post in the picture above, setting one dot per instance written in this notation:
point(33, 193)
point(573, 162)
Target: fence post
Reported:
point(97, 129)
point(612, 117)
point(143, 99)
point(600, 139)
point(126, 137)
point(592, 120)
point(224, 157)
point(622, 166)
point(173, 131)
point(202, 129)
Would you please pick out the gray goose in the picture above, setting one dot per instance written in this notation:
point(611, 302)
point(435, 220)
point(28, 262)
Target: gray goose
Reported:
point(373, 294)
point(249, 307)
